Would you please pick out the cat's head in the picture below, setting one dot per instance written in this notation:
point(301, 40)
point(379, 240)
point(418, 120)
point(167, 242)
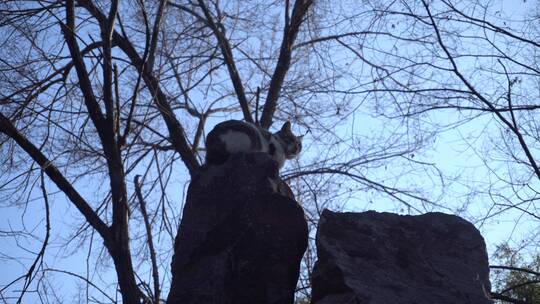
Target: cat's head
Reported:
point(292, 143)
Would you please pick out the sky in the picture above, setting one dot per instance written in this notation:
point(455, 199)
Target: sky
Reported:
point(446, 154)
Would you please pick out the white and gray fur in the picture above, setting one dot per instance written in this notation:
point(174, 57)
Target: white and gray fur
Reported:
point(234, 136)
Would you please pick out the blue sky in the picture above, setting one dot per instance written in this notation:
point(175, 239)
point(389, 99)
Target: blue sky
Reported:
point(450, 152)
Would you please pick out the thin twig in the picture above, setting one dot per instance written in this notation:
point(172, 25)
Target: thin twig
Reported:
point(82, 278)
point(54, 174)
point(228, 57)
point(481, 97)
point(515, 269)
point(150, 241)
point(290, 32)
point(38, 261)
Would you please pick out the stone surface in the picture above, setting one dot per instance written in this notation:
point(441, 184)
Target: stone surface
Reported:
point(383, 258)
point(241, 238)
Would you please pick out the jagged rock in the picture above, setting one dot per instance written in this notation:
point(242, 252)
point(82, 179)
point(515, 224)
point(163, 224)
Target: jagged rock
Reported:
point(241, 238)
point(384, 258)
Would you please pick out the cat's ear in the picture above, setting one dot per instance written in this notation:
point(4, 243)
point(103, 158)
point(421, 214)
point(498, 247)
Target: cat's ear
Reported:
point(286, 127)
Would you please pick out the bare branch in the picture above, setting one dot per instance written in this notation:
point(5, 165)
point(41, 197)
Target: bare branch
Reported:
point(226, 50)
point(68, 30)
point(142, 204)
point(177, 134)
point(81, 278)
point(290, 33)
point(91, 217)
point(522, 284)
point(38, 261)
point(155, 34)
point(106, 36)
point(481, 97)
point(498, 296)
point(515, 269)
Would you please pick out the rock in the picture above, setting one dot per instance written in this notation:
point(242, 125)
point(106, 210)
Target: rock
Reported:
point(241, 238)
point(383, 258)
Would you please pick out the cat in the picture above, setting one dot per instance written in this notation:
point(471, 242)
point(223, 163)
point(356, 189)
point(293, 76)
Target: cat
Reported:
point(235, 136)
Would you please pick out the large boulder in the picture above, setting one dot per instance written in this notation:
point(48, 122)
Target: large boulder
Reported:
point(241, 238)
point(382, 258)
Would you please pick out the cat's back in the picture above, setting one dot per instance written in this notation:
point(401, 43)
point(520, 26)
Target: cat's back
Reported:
point(233, 136)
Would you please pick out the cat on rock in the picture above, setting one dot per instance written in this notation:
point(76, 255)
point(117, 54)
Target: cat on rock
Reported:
point(235, 136)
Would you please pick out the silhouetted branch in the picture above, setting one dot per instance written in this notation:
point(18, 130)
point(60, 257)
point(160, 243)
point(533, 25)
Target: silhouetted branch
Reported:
point(516, 286)
point(50, 169)
point(228, 57)
point(85, 85)
point(150, 241)
point(498, 296)
point(283, 64)
point(84, 279)
point(177, 134)
point(515, 269)
point(155, 33)
point(481, 97)
point(30, 275)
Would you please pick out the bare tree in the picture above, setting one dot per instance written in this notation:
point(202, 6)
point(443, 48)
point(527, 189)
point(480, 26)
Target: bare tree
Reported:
point(123, 92)
point(469, 68)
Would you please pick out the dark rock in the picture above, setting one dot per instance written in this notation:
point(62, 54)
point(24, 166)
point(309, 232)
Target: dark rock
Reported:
point(384, 258)
point(241, 238)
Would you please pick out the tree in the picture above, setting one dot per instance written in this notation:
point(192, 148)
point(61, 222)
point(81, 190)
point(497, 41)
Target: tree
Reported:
point(516, 281)
point(105, 104)
point(114, 91)
point(113, 123)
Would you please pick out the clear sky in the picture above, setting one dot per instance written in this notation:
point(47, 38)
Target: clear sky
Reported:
point(450, 153)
